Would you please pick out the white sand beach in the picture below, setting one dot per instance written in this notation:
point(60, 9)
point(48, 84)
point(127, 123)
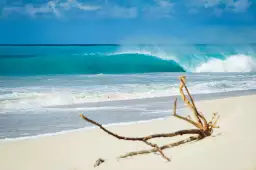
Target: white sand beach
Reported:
point(232, 147)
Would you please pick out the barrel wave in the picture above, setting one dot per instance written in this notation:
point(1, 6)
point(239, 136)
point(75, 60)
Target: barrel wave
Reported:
point(47, 60)
point(86, 64)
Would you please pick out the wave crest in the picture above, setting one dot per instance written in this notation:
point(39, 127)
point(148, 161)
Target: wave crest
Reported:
point(125, 61)
point(234, 63)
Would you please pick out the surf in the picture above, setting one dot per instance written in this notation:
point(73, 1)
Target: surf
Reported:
point(123, 60)
point(233, 63)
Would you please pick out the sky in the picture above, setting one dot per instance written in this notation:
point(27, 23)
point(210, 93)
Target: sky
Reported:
point(127, 21)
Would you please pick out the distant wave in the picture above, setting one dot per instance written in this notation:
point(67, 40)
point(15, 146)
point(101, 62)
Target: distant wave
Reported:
point(123, 62)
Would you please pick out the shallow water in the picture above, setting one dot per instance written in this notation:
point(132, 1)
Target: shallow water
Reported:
point(34, 105)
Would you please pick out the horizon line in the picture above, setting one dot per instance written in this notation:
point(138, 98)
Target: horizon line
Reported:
point(115, 44)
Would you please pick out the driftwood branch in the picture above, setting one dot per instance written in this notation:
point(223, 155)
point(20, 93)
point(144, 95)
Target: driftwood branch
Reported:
point(157, 148)
point(200, 122)
point(171, 145)
point(186, 101)
point(143, 139)
point(184, 118)
point(146, 138)
point(160, 135)
point(203, 127)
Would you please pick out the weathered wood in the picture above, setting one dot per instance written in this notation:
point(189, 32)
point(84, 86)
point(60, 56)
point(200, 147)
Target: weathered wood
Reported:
point(146, 138)
point(191, 106)
point(157, 149)
point(204, 128)
point(201, 122)
point(160, 135)
point(171, 145)
point(184, 118)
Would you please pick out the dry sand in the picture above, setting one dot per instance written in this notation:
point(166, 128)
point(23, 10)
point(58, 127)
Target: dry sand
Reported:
point(231, 148)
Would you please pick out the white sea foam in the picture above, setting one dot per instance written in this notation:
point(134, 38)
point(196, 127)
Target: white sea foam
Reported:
point(234, 63)
point(34, 101)
point(31, 100)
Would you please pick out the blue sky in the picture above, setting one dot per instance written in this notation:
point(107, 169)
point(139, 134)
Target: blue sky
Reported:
point(127, 21)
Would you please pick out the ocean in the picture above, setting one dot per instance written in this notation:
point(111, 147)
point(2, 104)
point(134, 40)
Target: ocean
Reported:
point(43, 89)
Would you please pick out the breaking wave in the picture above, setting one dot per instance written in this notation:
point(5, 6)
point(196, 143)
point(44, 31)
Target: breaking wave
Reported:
point(121, 62)
point(235, 63)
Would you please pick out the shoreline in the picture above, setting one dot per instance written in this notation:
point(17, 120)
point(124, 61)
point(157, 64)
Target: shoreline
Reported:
point(5, 140)
point(216, 96)
point(230, 147)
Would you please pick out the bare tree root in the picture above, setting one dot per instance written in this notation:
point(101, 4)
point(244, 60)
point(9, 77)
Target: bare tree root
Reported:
point(203, 127)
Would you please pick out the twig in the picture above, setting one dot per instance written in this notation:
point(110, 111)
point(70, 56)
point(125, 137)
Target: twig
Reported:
point(158, 149)
point(183, 118)
point(192, 106)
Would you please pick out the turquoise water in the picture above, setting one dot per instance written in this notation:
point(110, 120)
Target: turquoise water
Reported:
point(45, 60)
point(44, 88)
